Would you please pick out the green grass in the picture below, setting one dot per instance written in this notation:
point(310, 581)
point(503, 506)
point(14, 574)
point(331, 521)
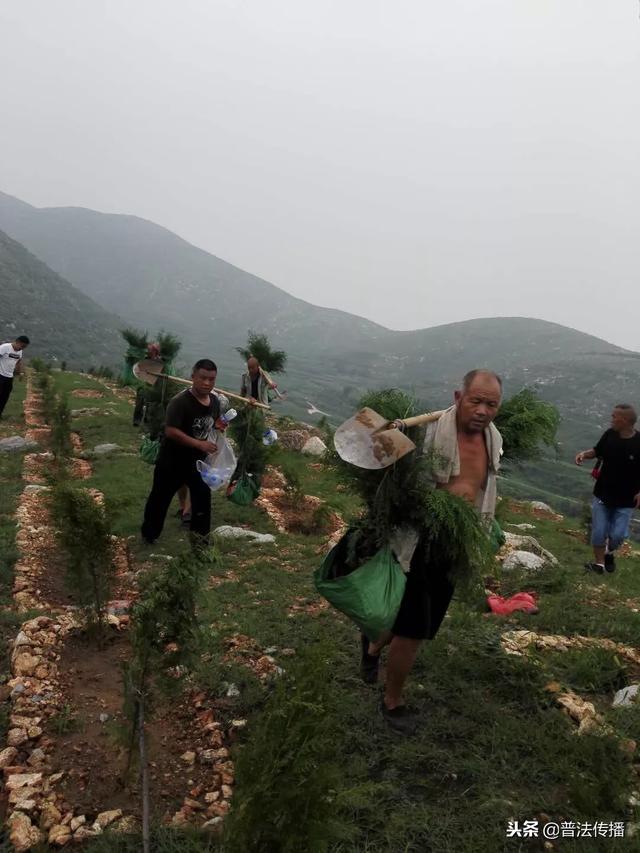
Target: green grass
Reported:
point(492, 743)
point(10, 488)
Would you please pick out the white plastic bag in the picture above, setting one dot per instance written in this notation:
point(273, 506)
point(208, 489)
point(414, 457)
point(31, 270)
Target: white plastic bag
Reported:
point(217, 469)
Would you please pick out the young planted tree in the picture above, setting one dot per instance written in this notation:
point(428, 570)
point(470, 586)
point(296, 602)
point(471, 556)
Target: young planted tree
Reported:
point(527, 424)
point(61, 430)
point(258, 346)
point(164, 633)
point(288, 772)
point(85, 537)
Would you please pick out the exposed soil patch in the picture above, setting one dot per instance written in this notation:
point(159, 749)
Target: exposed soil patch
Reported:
point(40, 435)
point(87, 394)
point(293, 512)
point(187, 756)
point(307, 606)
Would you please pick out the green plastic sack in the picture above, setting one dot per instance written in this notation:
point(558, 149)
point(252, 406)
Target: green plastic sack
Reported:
point(369, 595)
point(243, 491)
point(496, 536)
point(149, 449)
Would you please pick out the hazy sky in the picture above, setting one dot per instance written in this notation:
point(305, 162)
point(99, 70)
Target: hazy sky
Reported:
point(413, 161)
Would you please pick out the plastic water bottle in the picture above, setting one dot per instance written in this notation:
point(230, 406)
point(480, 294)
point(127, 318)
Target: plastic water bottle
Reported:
point(209, 475)
point(270, 436)
point(229, 415)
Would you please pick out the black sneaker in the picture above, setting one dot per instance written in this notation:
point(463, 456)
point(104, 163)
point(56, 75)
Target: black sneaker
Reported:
point(369, 664)
point(400, 719)
point(610, 563)
point(149, 541)
point(594, 567)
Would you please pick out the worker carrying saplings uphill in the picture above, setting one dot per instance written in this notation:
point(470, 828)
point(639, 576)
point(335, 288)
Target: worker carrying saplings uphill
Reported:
point(255, 384)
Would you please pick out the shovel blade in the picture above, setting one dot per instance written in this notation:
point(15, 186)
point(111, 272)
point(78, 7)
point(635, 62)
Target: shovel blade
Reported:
point(148, 370)
point(365, 441)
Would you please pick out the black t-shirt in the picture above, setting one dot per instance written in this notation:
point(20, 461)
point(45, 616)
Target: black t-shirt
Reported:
point(255, 387)
point(619, 480)
point(185, 413)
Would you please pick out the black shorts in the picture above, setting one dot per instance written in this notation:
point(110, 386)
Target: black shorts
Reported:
point(426, 598)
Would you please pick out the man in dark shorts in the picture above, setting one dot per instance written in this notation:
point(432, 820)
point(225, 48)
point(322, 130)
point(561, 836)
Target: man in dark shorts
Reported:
point(617, 490)
point(465, 448)
point(190, 421)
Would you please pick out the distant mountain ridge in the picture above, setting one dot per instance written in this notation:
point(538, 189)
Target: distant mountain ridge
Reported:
point(61, 321)
point(152, 278)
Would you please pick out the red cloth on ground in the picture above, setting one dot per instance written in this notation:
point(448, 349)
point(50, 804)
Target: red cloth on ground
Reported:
point(520, 601)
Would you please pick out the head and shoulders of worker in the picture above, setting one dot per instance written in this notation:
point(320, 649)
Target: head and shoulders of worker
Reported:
point(623, 421)
point(253, 367)
point(476, 403)
point(20, 343)
point(203, 380)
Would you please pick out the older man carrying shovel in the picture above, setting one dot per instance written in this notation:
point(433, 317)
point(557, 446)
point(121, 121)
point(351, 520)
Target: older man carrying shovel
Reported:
point(256, 383)
point(464, 449)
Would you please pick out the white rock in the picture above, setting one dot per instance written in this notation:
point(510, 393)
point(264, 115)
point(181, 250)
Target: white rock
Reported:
point(105, 818)
point(21, 640)
point(7, 756)
point(23, 834)
point(528, 543)
point(16, 737)
point(627, 696)
point(83, 832)
point(101, 449)
point(524, 526)
point(543, 507)
point(77, 822)
point(226, 531)
point(314, 446)
point(523, 560)
point(37, 757)
point(21, 780)
point(59, 835)
point(232, 691)
point(15, 443)
point(211, 824)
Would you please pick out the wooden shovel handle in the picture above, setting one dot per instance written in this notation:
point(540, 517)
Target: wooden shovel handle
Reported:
point(427, 418)
point(233, 396)
point(270, 381)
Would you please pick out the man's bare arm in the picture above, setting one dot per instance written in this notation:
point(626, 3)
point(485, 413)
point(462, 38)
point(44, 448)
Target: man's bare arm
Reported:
point(585, 454)
point(180, 437)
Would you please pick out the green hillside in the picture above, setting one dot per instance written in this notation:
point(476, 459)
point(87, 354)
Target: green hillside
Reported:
point(62, 322)
point(516, 722)
point(156, 279)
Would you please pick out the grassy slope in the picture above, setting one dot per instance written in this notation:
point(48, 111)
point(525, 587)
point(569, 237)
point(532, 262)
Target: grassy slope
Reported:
point(12, 423)
point(492, 743)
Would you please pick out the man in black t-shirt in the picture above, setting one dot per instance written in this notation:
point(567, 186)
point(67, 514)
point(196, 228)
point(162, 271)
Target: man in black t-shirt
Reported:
point(191, 418)
point(617, 490)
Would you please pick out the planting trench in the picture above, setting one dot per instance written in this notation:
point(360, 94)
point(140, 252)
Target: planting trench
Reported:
point(65, 758)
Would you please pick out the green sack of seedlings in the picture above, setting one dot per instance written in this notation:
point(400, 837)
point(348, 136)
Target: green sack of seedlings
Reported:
point(149, 449)
point(369, 595)
point(496, 536)
point(244, 490)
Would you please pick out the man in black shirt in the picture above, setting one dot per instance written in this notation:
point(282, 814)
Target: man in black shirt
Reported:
point(617, 489)
point(191, 418)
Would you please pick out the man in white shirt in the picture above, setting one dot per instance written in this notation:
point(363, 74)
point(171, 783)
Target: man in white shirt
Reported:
point(10, 358)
